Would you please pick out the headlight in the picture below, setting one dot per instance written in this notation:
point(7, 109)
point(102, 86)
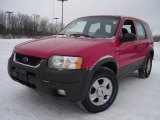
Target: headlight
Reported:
point(65, 62)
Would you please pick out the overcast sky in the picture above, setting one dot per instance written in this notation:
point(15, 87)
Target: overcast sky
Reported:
point(148, 10)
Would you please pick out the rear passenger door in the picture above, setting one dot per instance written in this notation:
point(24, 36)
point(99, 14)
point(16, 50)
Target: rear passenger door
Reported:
point(143, 42)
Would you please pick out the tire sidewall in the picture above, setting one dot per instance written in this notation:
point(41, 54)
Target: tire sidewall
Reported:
point(148, 73)
point(88, 105)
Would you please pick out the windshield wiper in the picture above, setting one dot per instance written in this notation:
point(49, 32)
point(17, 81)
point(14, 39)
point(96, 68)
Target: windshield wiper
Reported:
point(84, 35)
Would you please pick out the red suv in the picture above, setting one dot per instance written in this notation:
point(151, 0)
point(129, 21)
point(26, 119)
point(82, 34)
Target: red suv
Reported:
point(83, 62)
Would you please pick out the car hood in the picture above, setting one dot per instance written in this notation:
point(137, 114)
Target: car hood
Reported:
point(46, 47)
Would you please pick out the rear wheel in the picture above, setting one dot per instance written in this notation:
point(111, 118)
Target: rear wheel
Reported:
point(102, 91)
point(145, 71)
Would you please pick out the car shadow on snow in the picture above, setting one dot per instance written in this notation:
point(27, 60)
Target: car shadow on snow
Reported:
point(130, 80)
point(48, 102)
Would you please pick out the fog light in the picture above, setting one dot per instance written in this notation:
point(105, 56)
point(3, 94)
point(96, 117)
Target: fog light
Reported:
point(61, 92)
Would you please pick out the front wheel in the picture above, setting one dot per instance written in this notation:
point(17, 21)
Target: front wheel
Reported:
point(102, 91)
point(145, 71)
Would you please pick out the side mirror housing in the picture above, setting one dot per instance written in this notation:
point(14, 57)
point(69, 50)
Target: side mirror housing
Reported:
point(128, 37)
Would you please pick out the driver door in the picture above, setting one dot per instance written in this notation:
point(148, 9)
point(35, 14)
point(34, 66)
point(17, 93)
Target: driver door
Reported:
point(127, 49)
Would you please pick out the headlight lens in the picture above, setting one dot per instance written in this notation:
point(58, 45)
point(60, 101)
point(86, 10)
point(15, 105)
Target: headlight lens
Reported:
point(65, 62)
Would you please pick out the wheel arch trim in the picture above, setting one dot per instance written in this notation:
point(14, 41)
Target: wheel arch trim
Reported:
point(151, 51)
point(101, 61)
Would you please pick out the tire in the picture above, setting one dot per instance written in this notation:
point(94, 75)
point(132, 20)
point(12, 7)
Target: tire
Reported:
point(145, 71)
point(102, 91)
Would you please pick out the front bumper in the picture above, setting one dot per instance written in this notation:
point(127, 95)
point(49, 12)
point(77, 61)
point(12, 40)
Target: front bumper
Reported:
point(73, 82)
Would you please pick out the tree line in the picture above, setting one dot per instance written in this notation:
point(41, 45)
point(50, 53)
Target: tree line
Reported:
point(22, 25)
point(18, 25)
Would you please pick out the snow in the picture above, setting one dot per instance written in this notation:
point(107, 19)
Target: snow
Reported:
point(138, 99)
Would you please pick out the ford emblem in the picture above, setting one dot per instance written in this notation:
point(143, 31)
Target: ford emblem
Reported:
point(25, 59)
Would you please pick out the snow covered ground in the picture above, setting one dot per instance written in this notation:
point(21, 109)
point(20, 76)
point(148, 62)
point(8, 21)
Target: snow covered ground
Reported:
point(138, 99)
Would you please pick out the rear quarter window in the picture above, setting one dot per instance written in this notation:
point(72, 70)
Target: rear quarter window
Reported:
point(140, 31)
point(148, 30)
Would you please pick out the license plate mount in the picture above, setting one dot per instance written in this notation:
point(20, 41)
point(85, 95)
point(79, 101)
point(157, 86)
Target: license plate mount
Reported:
point(20, 74)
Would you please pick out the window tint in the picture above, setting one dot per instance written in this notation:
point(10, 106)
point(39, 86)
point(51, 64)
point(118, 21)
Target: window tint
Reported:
point(141, 31)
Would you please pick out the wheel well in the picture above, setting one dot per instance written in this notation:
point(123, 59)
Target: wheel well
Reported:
point(151, 53)
point(111, 65)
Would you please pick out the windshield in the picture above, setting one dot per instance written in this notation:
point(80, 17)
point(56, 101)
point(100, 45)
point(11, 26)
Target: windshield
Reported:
point(95, 27)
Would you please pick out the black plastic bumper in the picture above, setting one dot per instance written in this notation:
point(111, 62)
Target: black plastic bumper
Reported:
point(73, 82)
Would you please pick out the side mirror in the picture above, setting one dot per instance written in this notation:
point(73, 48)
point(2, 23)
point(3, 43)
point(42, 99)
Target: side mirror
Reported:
point(128, 37)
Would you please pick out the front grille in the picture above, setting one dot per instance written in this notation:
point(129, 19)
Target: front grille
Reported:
point(27, 60)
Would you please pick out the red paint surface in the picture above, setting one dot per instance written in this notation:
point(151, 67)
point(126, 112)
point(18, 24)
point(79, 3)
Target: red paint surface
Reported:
point(91, 50)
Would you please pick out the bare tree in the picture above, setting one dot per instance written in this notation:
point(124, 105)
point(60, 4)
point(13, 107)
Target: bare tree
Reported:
point(43, 26)
point(25, 25)
point(2, 22)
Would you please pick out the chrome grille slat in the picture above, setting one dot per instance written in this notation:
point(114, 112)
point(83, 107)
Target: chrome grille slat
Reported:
point(33, 62)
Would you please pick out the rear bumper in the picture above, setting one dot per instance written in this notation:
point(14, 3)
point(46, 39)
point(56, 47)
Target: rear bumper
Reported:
point(44, 79)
